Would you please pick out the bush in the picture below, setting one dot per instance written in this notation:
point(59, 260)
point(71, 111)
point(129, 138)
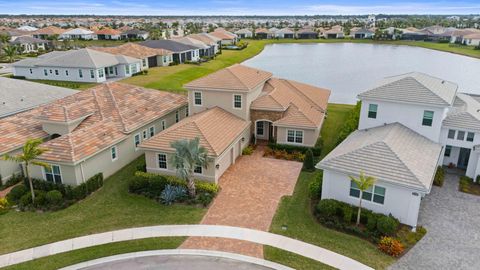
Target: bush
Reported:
point(372, 221)
point(387, 225)
point(13, 180)
point(152, 185)
point(172, 193)
point(315, 187)
point(347, 214)
point(351, 123)
point(205, 198)
point(294, 148)
point(54, 197)
point(94, 183)
point(207, 187)
point(3, 204)
point(247, 150)
point(439, 176)
point(327, 208)
point(40, 198)
point(16, 193)
point(309, 163)
point(390, 246)
point(25, 200)
point(79, 192)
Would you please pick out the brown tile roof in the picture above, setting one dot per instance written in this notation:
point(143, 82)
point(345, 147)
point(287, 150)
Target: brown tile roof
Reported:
point(262, 30)
point(50, 30)
point(108, 31)
point(222, 34)
point(113, 111)
point(472, 36)
point(304, 105)
point(133, 50)
point(235, 78)
point(215, 127)
point(203, 38)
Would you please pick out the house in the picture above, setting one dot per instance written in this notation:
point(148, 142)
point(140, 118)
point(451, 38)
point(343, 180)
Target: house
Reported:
point(150, 57)
point(48, 32)
point(27, 44)
point(83, 65)
point(232, 105)
point(409, 124)
point(307, 33)
point(471, 39)
point(204, 49)
point(209, 40)
point(93, 131)
point(285, 33)
point(361, 33)
point(108, 34)
point(78, 33)
point(244, 33)
point(335, 32)
point(457, 35)
point(135, 34)
point(181, 53)
point(20, 95)
point(263, 33)
point(27, 28)
point(226, 37)
point(14, 34)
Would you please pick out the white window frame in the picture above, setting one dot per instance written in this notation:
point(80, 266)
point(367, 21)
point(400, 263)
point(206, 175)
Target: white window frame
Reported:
point(51, 167)
point(166, 161)
point(195, 98)
point(372, 192)
point(241, 101)
point(151, 131)
point(112, 150)
point(135, 140)
point(144, 134)
point(295, 136)
point(198, 173)
point(262, 124)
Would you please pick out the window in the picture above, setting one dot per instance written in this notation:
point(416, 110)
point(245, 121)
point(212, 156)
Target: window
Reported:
point(372, 111)
point(260, 128)
point(31, 71)
point(451, 134)
point(56, 72)
point(110, 70)
point(136, 140)
point(448, 150)
point(116, 71)
point(92, 73)
point(470, 136)
point(51, 71)
point(176, 117)
point(198, 170)
point(134, 68)
point(144, 62)
point(127, 69)
point(80, 73)
point(45, 72)
point(427, 118)
point(374, 193)
point(186, 111)
point(144, 134)
point(198, 98)
point(237, 101)
point(152, 131)
point(164, 125)
point(53, 174)
point(113, 151)
point(101, 73)
point(164, 59)
point(66, 72)
point(295, 136)
point(162, 161)
point(461, 135)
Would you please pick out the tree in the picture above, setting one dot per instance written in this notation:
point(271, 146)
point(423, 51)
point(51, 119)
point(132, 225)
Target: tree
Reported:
point(363, 183)
point(31, 151)
point(10, 52)
point(309, 163)
point(189, 154)
point(4, 39)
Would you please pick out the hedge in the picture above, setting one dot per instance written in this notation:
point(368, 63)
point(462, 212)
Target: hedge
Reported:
point(295, 148)
point(439, 176)
point(351, 123)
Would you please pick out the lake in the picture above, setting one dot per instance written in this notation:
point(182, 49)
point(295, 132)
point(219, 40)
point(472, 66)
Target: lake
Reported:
point(349, 69)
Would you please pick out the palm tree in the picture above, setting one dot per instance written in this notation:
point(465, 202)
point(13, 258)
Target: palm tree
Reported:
point(363, 183)
point(10, 52)
point(4, 39)
point(31, 151)
point(189, 154)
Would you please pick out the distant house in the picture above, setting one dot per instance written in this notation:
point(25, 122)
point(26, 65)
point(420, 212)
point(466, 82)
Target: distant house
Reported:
point(48, 32)
point(209, 40)
point(227, 38)
point(361, 33)
point(135, 34)
point(335, 32)
point(284, 33)
point(27, 28)
point(263, 33)
point(150, 57)
point(108, 34)
point(30, 44)
point(14, 34)
point(307, 33)
point(79, 33)
point(204, 49)
point(84, 65)
point(471, 39)
point(181, 53)
point(244, 33)
point(457, 35)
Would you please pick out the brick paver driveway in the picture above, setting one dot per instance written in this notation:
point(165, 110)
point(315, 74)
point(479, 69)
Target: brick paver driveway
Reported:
point(250, 192)
point(452, 220)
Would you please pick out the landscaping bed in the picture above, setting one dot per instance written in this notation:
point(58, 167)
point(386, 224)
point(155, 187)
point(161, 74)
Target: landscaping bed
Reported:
point(467, 185)
point(439, 177)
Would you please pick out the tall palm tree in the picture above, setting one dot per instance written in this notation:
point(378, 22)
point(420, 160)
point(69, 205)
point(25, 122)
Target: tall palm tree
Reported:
point(31, 151)
point(10, 52)
point(189, 154)
point(363, 183)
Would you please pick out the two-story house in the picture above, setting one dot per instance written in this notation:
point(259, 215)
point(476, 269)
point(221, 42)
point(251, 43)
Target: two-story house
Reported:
point(231, 105)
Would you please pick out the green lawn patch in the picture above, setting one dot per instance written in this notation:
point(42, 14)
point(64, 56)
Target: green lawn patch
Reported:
point(337, 114)
point(110, 208)
point(66, 84)
point(87, 254)
point(293, 260)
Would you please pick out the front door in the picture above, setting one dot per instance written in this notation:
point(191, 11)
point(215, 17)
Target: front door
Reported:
point(463, 158)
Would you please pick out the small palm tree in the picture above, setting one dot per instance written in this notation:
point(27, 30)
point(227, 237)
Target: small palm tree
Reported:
point(31, 151)
point(4, 39)
point(189, 154)
point(10, 52)
point(363, 183)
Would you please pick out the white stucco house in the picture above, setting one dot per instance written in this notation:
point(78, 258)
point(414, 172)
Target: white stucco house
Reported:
point(409, 124)
point(78, 33)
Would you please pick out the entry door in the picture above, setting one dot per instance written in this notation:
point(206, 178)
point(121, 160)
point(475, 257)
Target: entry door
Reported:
point(463, 158)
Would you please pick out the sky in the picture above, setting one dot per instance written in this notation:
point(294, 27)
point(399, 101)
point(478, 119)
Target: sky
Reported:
point(238, 7)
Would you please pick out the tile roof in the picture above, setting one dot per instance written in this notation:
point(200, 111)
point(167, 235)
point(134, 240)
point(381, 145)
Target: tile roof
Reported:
point(50, 30)
point(205, 38)
point(262, 30)
point(465, 113)
point(108, 31)
point(235, 78)
point(192, 41)
point(392, 153)
point(112, 111)
point(223, 34)
point(170, 45)
point(215, 127)
point(414, 87)
point(29, 40)
point(78, 31)
point(472, 36)
point(134, 50)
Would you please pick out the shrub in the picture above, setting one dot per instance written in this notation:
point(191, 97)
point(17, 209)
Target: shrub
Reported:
point(247, 150)
point(172, 193)
point(79, 192)
point(25, 200)
point(94, 183)
point(205, 198)
point(387, 225)
point(439, 176)
point(327, 208)
point(40, 198)
point(390, 246)
point(351, 123)
point(294, 148)
point(54, 197)
point(3, 204)
point(138, 184)
point(13, 180)
point(207, 187)
point(315, 187)
point(309, 163)
point(347, 214)
point(372, 221)
point(16, 193)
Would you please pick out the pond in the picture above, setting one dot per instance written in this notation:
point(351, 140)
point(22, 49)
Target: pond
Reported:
point(349, 69)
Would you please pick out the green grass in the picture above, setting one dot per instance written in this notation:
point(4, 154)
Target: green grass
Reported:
point(66, 84)
point(295, 212)
point(292, 260)
point(110, 208)
point(86, 254)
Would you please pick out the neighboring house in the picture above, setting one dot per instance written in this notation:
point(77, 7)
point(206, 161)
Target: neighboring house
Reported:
point(150, 57)
point(14, 34)
point(361, 33)
point(29, 44)
point(307, 33)
point(48, 32)
point(471, 39)
point(244, 33)
point(135, 34)
point(263, 33)
point(78, 33)
point(20, 95)
point(226, 37)
point(108, 34)
point(408, 123)
point(457, 35)
point(83, 65)
point(181, 53)
point(209, 40)
point(285, 33)
point(204, 49)
point(27, 28)
point(335, 32)
point(93, 131)
point(230, 105)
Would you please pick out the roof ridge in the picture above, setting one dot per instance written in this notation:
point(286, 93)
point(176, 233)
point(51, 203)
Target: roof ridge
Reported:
point(305, 96)
point(115, 105)
point(436, 94)
point(300, 111)
point(205, 137)
point(97, 104)
point(241, 82)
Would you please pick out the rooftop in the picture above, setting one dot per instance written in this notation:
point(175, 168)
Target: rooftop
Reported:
point(134, 50)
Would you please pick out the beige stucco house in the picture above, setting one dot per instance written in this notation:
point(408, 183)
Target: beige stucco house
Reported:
point(93, 131)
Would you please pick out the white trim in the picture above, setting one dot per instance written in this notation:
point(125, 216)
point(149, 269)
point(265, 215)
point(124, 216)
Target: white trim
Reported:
point(241, 101)
point(135, 141)
point(373, 194)
point(144, 134)
point(294, 136)
point(201, 99)
point(53, 175)
point(150, 131)
point(158, 161)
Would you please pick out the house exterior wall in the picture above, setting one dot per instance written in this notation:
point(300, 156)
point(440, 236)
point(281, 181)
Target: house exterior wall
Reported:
point(401, 202)
point(411, 116)
point(471, 41)
point(310, 136)
point(7, 168)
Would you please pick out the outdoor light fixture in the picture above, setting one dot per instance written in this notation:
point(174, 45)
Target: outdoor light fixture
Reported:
point(217, 166)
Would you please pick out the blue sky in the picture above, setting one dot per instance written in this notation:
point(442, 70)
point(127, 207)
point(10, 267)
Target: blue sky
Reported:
point(237, 7)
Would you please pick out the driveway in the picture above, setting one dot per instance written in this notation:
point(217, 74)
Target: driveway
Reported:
point(250, 192)
point(452, 220)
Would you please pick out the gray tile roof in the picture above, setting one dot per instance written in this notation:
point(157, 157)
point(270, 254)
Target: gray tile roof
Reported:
point(414, 87)
point(20, 95)
point(28, 39)
point(465, 113)
point(392, 153)
point(170, 45)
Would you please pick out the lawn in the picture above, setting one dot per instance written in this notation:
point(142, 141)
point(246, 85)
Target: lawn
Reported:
point(110, 208)
point(295, 212)
point(65, 84)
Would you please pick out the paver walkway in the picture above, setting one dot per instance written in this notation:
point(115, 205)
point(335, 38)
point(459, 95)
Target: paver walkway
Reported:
point(250, 192)
point(3, 193)
point(452, 219)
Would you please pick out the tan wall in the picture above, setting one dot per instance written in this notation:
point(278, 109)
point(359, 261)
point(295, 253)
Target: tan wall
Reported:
point(7, 168)
point(310, 136)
